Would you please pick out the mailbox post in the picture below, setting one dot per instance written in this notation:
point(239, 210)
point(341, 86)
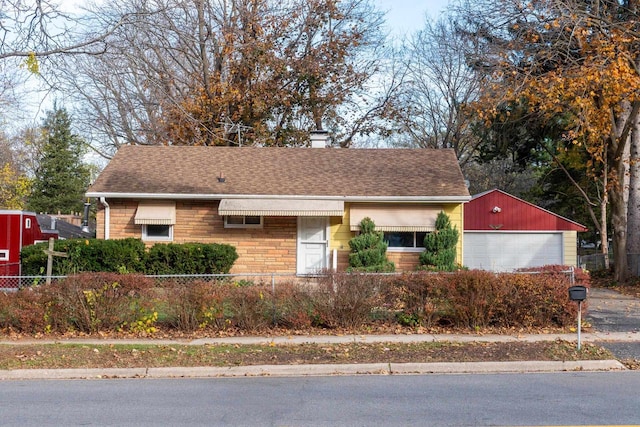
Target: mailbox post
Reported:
point(579, 294)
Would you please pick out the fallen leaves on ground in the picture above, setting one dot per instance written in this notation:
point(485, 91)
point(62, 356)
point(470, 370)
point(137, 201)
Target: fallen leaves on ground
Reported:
point(41, 356)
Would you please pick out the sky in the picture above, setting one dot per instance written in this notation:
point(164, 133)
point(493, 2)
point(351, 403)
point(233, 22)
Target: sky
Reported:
point(407, 16)
point(403, 16)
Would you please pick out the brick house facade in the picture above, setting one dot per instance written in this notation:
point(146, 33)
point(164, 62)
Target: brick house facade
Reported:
point(285, 210)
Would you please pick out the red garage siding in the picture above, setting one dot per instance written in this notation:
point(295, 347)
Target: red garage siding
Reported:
point(497, 210)
point(17, 230)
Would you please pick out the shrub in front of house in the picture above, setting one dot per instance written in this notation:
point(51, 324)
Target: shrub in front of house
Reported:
point(294, 307)
point(129, 255)
point(463, 300)
point(369, 250)
point(222, 305)
point(416, 299)
point(440, 246)
point(190, 258)
point(344, 300)
point(479, 299)
point(22, 311)
point(251, 308)
point(85, 255)
point(189, 306)
point(94, 302)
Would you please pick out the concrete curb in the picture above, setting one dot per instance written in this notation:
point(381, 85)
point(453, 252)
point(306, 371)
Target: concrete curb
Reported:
point(314, 370)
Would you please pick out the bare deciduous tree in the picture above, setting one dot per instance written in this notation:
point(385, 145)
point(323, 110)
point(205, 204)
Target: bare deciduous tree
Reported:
point(438, 84)
point(232, 72)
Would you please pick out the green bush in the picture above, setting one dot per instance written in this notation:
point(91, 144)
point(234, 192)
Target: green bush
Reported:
point(369, 250)
point(86, 255)
point(190, 258)
point(440, 246)
point(129, 256)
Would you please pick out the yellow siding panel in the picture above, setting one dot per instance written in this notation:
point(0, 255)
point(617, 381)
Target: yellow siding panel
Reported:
point(570, 253)
point(341, 234)
point(339, 231)
point(456, 215)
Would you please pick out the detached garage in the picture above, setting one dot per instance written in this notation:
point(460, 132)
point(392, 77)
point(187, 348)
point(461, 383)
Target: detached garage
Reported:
point(503, 233)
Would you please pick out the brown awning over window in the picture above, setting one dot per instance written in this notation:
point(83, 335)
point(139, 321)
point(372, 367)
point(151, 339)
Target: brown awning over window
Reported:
point(156, 213)
point(280, 207)
point(395, 217)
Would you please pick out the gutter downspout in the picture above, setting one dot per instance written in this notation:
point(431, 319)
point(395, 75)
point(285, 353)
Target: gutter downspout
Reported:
point(107, 217)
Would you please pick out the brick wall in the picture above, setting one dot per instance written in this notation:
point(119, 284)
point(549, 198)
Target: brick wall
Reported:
point(271, 249)
point(404, 261)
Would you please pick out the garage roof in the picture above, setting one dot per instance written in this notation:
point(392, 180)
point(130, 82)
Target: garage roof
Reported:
point(497, 210)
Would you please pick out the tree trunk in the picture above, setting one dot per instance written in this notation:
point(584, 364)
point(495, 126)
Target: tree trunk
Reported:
point(633, 209)
point(604, 235)
point(618, 155)
point(618, 200)
point(618, 225)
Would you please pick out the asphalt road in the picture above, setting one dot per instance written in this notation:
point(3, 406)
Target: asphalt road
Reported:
point(569, 398)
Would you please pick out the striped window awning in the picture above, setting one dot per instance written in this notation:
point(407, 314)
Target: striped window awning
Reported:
point(155, 213)
point(280, 207)
point(397, 218)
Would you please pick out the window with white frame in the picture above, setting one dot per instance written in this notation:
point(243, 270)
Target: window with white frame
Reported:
point(242, 221)
point(4, 254)
point(405, 239)
point(157, 233)
point(157, 219)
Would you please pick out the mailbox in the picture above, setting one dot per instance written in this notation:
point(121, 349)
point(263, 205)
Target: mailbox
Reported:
point(577, 293)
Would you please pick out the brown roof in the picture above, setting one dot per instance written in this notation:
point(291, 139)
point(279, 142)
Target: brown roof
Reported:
point(136, 171)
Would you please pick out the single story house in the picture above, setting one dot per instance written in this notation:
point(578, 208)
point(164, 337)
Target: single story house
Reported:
point(285, 210)
point(504, 233)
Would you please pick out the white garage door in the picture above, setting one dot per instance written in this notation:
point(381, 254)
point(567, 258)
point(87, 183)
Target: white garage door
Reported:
point(508, 251)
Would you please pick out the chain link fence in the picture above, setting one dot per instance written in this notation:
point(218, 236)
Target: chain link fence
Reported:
point(13, 283)
point(593, 262)
point(596, 262)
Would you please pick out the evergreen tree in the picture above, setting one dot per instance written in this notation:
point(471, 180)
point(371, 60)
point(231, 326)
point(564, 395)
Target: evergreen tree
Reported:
point(369, 250)
point(61, 178)
point(440, 246)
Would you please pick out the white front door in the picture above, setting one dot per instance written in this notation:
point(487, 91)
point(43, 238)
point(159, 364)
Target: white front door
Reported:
point(313, 244)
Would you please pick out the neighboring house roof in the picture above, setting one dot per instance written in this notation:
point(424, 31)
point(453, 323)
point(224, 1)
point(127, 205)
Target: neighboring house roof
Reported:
point(497, 210)
point(65, 230)
point(181, 172)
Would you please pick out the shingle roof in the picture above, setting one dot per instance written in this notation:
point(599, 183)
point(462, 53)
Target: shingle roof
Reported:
point(277, 171)
point(65, 230)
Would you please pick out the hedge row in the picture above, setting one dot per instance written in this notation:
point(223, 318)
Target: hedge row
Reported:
point(109, 302)
point(129, 255)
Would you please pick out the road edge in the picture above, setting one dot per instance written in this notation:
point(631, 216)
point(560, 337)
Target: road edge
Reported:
point(315, 370)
